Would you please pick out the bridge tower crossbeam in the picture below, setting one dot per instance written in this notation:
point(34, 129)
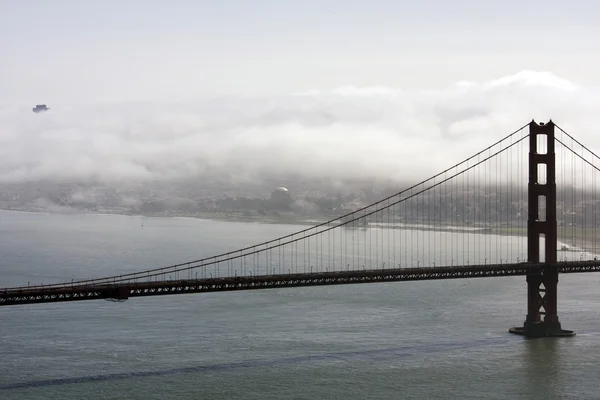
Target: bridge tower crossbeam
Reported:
point(542, 318)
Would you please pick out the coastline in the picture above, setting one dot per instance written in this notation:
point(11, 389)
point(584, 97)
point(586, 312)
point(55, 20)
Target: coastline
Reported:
point(576, 239)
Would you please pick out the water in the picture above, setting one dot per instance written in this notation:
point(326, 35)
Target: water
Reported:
point(431, 339)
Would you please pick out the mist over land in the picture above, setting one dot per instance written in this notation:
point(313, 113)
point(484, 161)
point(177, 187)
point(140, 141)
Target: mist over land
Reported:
point(349, 145)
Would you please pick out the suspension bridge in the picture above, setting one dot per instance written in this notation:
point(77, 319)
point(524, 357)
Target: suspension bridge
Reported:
point(496, 213)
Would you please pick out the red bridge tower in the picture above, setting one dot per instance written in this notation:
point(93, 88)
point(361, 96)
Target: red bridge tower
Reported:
point(542, 280)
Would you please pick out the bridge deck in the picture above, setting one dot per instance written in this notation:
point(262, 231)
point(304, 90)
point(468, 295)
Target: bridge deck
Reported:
point(124, 290)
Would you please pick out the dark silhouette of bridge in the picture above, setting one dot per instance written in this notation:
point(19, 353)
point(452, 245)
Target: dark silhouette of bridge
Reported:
point(465, 222)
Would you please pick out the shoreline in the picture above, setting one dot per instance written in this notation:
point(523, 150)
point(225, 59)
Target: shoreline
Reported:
point(577, 240)
point(309, 221)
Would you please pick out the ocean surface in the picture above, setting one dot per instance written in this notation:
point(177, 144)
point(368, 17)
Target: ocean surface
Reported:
point(409, 340)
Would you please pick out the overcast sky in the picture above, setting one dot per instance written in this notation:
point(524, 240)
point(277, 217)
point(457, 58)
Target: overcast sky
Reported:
point(65, 51)
point(371, 88)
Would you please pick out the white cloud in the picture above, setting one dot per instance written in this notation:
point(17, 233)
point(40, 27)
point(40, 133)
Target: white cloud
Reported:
point(347, 133)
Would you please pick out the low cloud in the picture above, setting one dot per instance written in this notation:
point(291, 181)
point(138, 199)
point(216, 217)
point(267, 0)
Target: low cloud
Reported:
point(367, 134)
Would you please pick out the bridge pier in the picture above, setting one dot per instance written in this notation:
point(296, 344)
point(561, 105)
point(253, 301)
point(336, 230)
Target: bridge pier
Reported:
point(542, 318)
point(542, 282)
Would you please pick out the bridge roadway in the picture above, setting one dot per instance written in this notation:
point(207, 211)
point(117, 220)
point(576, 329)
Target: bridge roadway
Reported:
point(125, 289)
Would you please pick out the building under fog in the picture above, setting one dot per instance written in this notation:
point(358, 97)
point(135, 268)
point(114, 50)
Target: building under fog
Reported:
point(280, 199)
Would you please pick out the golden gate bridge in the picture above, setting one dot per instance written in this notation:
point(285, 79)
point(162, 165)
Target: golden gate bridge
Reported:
point(450, 226)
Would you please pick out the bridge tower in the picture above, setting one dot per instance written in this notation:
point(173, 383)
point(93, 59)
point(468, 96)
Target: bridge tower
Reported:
point(542, 319)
